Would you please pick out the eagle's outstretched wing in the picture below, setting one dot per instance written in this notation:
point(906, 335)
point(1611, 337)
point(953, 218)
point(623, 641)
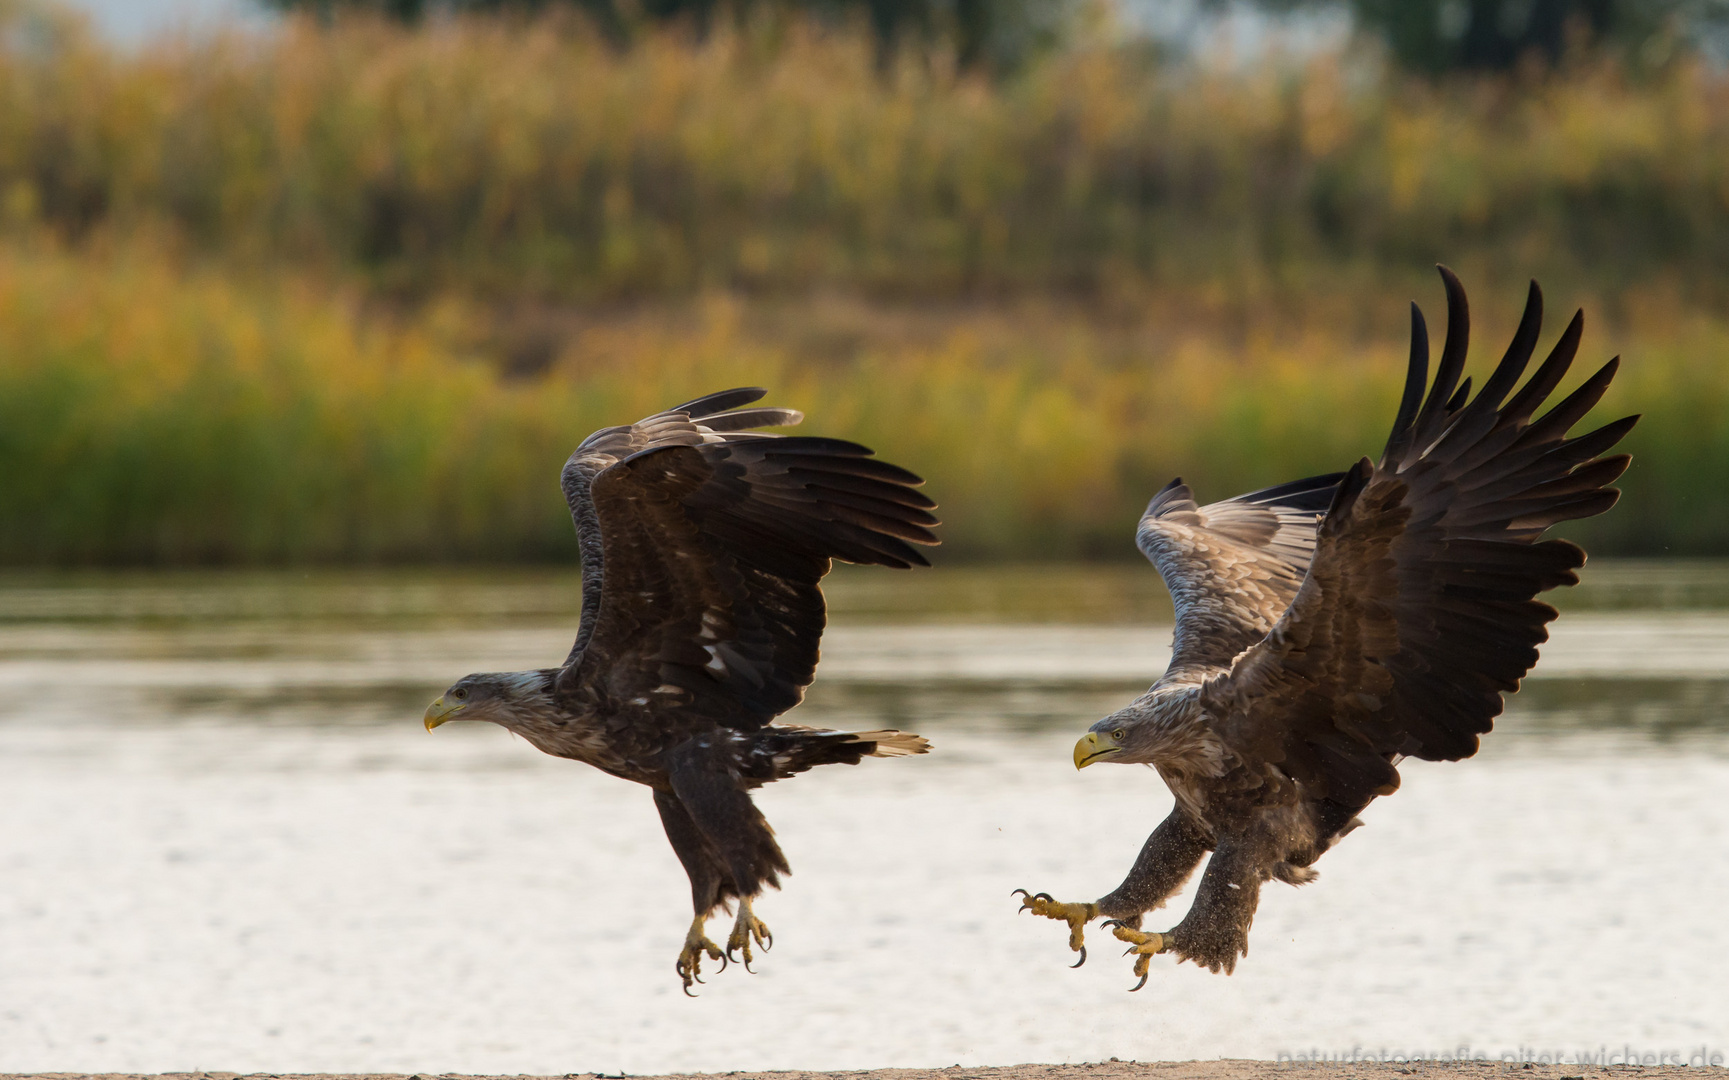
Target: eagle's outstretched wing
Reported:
point(702, 546)
point(1232, 567)
point(1418, 610)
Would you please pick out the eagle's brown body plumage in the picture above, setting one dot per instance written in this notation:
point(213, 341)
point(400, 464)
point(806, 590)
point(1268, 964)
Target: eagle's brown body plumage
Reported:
point(1329, 628)
point(703, 545)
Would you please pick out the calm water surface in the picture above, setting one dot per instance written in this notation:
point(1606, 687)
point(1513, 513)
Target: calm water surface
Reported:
point(229, 844)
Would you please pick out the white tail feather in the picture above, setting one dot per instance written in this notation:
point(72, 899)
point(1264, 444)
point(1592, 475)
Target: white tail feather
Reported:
point(892, 743)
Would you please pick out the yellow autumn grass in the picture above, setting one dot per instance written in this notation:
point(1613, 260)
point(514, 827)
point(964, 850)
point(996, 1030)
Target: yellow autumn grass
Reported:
point(504, 158)
point(353, 293)
point(150, 414)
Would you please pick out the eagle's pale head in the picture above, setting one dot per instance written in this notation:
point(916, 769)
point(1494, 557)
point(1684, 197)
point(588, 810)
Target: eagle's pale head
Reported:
point(1149, 732)
point(1111, 739)
point(500, 697)
point(1164, 729)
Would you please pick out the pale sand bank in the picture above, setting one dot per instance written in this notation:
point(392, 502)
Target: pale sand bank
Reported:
point(1109, 1070)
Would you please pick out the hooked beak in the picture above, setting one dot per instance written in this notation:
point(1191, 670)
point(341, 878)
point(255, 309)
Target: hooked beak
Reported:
point(440, 711)
point(1090, 749)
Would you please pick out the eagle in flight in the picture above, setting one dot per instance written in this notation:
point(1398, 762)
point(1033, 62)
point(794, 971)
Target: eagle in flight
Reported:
point(703, 543)
point(1328, 628)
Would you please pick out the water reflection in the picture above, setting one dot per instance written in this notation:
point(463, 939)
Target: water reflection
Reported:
point(1126, 592)
point(1642, 647)
point(1665, 710)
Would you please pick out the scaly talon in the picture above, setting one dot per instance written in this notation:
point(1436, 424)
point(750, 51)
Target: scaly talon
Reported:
point(1141, 944)
point(1076, 915)
point(689, 966)
point(747, 927)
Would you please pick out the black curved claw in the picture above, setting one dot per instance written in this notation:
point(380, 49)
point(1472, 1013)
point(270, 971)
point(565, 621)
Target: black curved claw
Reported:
point(1110, 922)
point(1028, 898)
point(767, 941)
point(1140, 984)
point(683, 975)
point(1082, 960)
point(748, 969)
point(723, 959)
point(729, 956)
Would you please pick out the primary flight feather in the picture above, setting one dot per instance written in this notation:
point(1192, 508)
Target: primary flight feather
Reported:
point(703, 543)
point(1329, 628)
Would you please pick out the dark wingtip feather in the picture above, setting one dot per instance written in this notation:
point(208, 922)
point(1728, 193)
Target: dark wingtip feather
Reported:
point(746, 419)
point(1452, 365)
point(1539, 386)
point(1416, 380)
point(1518, 353)
point(1460, 396)
point(1613, 466)
point(1458, 339)
point(839, 454)
point(1558, 420)
point(721, 401)
point(1309, 493)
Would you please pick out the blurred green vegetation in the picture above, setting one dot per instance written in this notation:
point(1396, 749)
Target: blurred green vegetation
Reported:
point(352, 292)
point(509, 159)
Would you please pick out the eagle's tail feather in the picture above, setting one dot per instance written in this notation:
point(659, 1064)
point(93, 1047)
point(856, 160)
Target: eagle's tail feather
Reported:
point(891, 743)
point(790, 749)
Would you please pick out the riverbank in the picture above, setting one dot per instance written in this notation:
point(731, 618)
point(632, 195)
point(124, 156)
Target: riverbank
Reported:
point(1107, 1070)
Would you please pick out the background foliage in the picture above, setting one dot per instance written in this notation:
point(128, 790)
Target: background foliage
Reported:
point(352, 290)
point(998, 34)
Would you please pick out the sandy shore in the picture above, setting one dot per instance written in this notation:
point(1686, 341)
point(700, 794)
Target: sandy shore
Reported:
point(1108, 1070)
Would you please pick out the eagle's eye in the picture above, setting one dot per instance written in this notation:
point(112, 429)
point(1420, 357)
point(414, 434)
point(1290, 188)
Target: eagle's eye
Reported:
point(460, 693)
point(1117, 734)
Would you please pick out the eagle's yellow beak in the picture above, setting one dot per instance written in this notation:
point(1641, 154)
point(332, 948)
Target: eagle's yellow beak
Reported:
point(1091, 748)
point(440, 711)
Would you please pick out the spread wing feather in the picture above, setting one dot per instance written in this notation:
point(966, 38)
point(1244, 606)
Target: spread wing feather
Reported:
point(703, 544)
point(1419, 607)
point(1232, 567)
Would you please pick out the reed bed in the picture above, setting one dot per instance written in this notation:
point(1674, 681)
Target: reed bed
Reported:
point(353, 294)
point(504, 157)
point(158, 416)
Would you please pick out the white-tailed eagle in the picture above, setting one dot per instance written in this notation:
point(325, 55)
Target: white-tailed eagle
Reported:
point(703, 544)
point(1331, 627)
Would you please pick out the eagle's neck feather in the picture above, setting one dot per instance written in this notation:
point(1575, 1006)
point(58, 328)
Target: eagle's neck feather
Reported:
point(525, 699)
point(1171, 732)
point(529, 709)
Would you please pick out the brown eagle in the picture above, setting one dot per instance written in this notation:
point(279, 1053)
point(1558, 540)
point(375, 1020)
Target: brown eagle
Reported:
point(1331, 627)
point(703, 543)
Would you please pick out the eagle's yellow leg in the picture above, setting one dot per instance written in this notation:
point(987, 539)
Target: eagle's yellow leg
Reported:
point(1076, 915)
point(1143, 945)
point(689, 966)
point(747, 927)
